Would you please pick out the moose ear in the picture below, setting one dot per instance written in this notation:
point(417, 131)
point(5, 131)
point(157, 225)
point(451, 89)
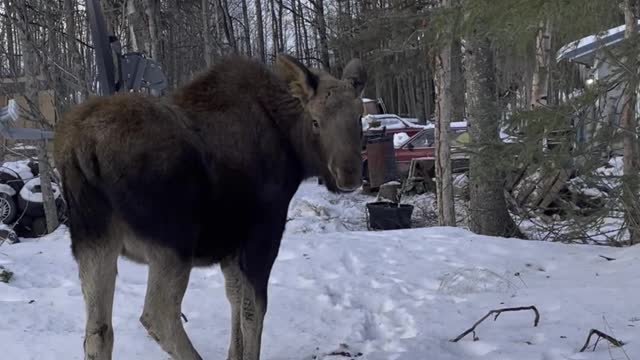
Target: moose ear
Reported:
point(302, 82)
point(356, 74)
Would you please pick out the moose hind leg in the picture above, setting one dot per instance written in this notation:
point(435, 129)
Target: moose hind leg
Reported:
point(233, 285)
point(253, 310)
point(168, 280)
point(97, 265)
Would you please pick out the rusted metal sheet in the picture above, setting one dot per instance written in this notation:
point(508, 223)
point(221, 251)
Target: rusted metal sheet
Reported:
point(381, 161)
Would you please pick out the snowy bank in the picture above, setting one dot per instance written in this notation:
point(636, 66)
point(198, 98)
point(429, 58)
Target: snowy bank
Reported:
point(389, 295)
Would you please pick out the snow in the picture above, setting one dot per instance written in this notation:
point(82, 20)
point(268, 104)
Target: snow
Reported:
point(411, 120)
point(398, 295)
point(10, 112)
point(388, 121)
point(606, 38)
point(315, 210)
point(399, 139)
point(614, 167)
point(28, 194)
point(20, 167)
point(24, 147)
point(6, 189)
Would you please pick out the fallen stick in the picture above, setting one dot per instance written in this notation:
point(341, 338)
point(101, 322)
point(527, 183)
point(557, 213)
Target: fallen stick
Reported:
point(601, 335)
point(497, 313)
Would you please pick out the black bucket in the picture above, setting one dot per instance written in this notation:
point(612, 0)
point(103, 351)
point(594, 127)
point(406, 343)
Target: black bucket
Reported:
point(389, 216)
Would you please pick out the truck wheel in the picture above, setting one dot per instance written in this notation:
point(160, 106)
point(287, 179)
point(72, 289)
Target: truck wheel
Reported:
point(30, 197)
point(8, 209)
point(39, 227)
point(12, 179)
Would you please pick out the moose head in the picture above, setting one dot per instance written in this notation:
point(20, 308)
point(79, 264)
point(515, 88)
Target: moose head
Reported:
point(332, 111)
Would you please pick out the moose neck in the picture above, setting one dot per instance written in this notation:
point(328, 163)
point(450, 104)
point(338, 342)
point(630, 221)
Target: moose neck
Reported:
point(220, 86)
point(289, 116)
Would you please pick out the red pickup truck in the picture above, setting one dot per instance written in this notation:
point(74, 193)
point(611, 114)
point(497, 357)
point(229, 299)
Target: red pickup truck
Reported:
point(421, 146)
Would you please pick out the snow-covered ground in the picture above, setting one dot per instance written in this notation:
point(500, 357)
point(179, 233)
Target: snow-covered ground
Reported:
point(387, 295)
point(315, 210)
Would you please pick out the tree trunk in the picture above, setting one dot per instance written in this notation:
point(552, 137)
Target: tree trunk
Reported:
point(427, 82)
point(488, 208)
point(628, 126)
point(247, 29)
point(457, 80)
point(411, 89)
point(420, 99)
point(275, 38)
point(31, 72)
point(296, 29)
point(281, 28)
point(228, 25)
point(50, 210)
point(11, 53)
point(206, 33)
point(305, 33)
point(260, 24)
point(444, 112)
point(76, 59)
point(135, 19)
point(322, 34)
point(399, 100)
point(152, 9)
point(540, 81)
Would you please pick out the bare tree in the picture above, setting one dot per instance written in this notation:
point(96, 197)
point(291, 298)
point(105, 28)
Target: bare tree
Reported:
point(206, 33)
point(152, 10)
point(321, 28)
point(32, 66)
point(81, 91)
point(246, 28)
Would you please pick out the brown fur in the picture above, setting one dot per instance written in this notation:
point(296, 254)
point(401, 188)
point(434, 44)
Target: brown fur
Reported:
point(198, 178)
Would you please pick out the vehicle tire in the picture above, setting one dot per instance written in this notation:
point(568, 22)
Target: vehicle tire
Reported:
point(8, 209)
point(365, 170)
point(34, 167)
point(33, 208)
point(23, 227)
point(61, 205)
point(11, 179)
point(39, 227)
point(7, 234)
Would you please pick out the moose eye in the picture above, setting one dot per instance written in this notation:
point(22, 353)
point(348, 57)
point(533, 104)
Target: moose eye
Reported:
point(315, 124)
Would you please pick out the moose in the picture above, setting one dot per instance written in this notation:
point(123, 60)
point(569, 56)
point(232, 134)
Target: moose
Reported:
point(237, 141)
